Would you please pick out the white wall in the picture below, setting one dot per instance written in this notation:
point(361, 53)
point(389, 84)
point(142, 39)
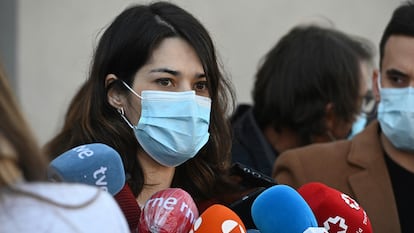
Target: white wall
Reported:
point(56, 40)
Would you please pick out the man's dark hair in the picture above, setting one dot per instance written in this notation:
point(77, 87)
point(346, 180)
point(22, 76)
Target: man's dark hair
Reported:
point(307, 69)
point(401, 23)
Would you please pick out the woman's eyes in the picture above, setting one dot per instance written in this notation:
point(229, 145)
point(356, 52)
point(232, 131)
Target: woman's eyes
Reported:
point(166, 82)
point(201, 86)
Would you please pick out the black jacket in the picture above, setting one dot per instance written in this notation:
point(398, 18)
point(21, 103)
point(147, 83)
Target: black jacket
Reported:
point(250, 147)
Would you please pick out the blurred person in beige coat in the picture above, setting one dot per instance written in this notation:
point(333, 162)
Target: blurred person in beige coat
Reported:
point(376, 167)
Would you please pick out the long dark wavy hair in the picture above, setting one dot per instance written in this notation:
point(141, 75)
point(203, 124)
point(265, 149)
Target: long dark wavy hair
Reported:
point(124, 47)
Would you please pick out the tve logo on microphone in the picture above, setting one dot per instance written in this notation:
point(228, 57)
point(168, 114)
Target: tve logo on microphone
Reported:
point(95, 164)
point(85, 151)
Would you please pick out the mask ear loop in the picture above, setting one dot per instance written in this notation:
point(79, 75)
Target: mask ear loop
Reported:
point(132, 90)
point(379, 81)
point(122, 113)
point(121, 110)
point(368, 104)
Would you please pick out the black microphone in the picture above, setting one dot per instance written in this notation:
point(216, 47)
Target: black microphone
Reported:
point(253, 180)
point(251, 177)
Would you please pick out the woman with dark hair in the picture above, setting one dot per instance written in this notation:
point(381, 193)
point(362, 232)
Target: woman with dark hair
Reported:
point(30, 204)
point(156, 94)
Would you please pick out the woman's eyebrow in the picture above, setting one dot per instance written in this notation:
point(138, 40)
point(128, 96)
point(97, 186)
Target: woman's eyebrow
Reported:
point(165, 70)
point(174, 72)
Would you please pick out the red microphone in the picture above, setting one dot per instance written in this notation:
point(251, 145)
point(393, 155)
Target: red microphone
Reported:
point(129, 206)
point(218, 218)
point(334, 210)
point(168, 211)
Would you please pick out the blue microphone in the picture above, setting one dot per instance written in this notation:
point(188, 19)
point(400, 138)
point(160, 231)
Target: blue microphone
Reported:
point(94, 164)
point(252, 231)
point(281, 209)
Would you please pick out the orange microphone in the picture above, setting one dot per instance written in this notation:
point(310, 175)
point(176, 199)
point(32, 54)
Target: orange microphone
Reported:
point(218, 219)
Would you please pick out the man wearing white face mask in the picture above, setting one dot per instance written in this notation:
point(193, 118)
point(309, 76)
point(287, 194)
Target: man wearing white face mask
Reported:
point(376, 167)
point(396, 111)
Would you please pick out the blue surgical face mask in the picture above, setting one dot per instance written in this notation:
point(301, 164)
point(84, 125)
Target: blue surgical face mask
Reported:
point(358, 125)
point(396, 116)
point(173, 126)
point(368, 110)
